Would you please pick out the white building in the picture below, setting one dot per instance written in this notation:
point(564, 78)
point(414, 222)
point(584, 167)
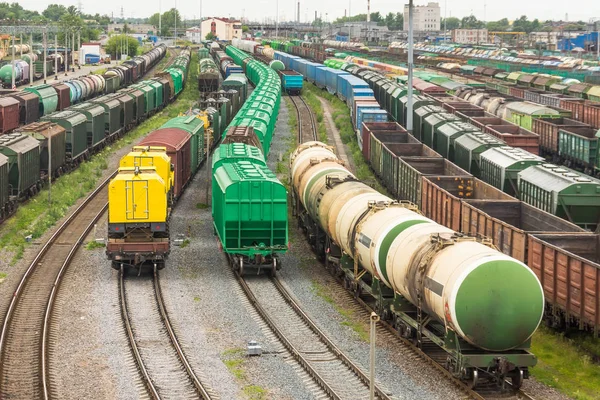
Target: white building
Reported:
point(89, 49)
point(470, 36)
point(425, 18)
point(194, 34)
point(222, 28)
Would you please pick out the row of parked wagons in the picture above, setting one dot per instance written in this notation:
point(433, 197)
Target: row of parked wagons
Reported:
point(77, 132)
point(29, 105)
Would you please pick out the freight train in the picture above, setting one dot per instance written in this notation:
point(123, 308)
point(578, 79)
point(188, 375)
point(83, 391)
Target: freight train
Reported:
point(249, 203)
point(29, 105)
point(435, 285)
point(519, 229)
point(74, 133)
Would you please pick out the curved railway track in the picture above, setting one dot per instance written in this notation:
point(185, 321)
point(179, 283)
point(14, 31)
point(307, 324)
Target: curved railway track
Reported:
point(307, 126)
point(159, 356)
point(430, 353)
point(329, 367)
point(24, 368)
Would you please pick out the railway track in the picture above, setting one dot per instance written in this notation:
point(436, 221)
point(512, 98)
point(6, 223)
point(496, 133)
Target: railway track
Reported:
point(337, 376)
point(24, 339)
point(158, 354)
point(307, 126)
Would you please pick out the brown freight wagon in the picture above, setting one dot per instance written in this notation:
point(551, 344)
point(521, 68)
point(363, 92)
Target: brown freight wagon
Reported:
point(509, 222)
point(383, 129)
point(442, 197)
point(516, 136)
point(547, 129)
point(29, 107)
point(64, 96)
point(574, 105)
point(9, 114)
point(591, 114)
point(482, 122)
point(568, 267)
point(178, 147)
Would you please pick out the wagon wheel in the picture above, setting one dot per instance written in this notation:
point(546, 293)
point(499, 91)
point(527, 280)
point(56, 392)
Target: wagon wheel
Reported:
point(241, 266)
point(273, 269)
point(471, 377)
point(517, 379)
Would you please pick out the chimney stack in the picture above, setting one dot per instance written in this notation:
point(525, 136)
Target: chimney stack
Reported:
point(368, 11)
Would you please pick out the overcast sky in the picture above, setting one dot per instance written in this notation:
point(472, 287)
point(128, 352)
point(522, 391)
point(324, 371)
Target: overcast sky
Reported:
point(260, 9)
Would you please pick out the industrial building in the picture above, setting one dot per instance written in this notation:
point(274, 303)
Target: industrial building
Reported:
point(425, 18)
point(470, 36)
point(223, 28)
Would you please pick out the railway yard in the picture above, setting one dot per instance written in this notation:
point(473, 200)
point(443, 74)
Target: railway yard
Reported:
point(224, 248)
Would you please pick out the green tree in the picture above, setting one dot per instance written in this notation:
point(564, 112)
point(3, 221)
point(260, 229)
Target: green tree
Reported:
point(245, 28)
point(127, 44)
point(210, 36)
point(376, 17)
point(54, 11)
point(524, 25)
point(471, 22)
point(498, 26)
point(451, 23)
point(167, 21)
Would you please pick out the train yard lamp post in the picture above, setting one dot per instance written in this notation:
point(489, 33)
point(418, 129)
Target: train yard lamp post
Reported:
point(373, 335)
point(409, 105)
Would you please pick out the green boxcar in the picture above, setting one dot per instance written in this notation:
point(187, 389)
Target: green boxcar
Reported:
point(139, 103)
point(112, 84)
point(563, 192)
point(75, 125)
point(418, 101)
point(238, 151)
point(149, 97)
point(48, 98)
point(447, 134)
point(126, 115)
point(23, 154)
point(195, 127)
point(95, 122)
point(500, 167)
point(580, 146)
point(43, 132)
point(158, 93)
point(177, 77)
point(249, 208)
point(522, 113)
point(468, 148)
point(420, 114)
point(113, 111)
point(431, 125)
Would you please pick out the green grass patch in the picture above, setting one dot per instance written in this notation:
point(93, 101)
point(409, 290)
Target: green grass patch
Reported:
point(233, 360)
point(2, 276)
point(315, 105)
point(185, 243)
point(196, 298)
point(254, 392)
point(564, 366)
point(348, 317)
point(201, 206)
point(38, 215)
point(94, 245)
point(100, 71)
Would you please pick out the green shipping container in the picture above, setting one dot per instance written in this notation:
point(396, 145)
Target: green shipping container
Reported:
point(195, 127)
point(23, 154)
point(468, 148)
point(95, 122)
point(500, 167)
point(249, 207)
point(563, 192)
point(579, 145)
point(75, 125)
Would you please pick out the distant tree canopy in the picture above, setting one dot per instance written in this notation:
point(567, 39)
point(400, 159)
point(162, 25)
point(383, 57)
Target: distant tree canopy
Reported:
point(124, 43)
point(167, 22)
point(471, 22)
point(393, 21)
point(524, 25)
point(451, 23)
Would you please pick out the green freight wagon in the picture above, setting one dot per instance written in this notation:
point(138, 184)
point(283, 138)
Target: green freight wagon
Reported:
point(468, 148)
point(420, 114)
point(447, 134)
point(418, 101)
point(149, 97)
point(432, 124)
point(580, 147)
point(23, 154)
point(249, 207)
point(75, 125)
point(158, 93)
point(95, 122)
point(500, 167)
point(113, 112)
point(522, 113)
point(44, 132)
point(238, 151)
point(563, 192)
point(48, 98)
point(195, 127)
point(127, 108)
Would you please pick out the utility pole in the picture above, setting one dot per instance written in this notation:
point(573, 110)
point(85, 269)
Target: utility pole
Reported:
point(409, 105)
point(31, 59)
point(276, 18)
point(13, 60)
point(372, 336)
point(73, 52)
point(56, 55)
point(160, 19)
point(66, 52)
point(445, 18)
point(49, 169)
point(45, 43)
point(176, 15)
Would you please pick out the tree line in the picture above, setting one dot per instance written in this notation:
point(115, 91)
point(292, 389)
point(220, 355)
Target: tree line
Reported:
point(521, 24)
